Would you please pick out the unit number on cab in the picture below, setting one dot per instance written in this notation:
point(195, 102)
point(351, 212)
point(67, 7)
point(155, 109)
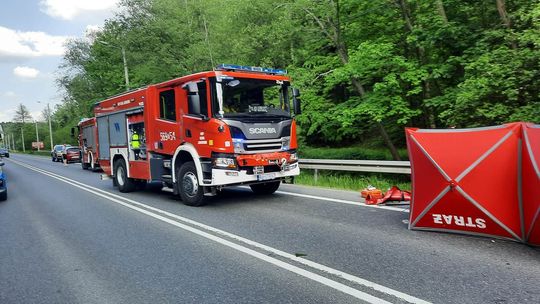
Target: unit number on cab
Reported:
point(167, 136)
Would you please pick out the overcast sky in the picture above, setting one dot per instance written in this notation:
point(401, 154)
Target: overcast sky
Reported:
point(32, 34)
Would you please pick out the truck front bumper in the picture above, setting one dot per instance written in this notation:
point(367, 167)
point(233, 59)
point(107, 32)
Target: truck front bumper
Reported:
point(221, 177)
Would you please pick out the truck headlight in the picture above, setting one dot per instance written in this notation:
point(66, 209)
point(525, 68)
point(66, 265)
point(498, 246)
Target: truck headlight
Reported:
point(285, 143)
point(223, 162)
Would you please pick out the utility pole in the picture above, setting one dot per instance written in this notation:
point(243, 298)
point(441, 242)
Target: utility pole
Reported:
point(50, 126)
point(126, 76)
point(37, 136)
point(22, 136)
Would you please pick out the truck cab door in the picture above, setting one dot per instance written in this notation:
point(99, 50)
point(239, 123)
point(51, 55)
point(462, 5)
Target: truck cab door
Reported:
point(167, 127)
point(196, 115)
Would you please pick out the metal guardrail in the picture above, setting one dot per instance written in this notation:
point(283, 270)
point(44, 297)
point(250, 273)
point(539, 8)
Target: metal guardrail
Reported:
point(377, 166)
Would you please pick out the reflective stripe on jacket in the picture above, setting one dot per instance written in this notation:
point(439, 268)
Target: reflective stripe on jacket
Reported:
point(135, 143)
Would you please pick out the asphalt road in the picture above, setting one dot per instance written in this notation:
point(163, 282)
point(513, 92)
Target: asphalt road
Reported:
point(69, 237)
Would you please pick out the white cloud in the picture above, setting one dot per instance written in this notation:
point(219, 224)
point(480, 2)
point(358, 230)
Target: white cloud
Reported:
point(92, 28)
point(69, 9)
point(25, 72)
point(37, 115)
point(6, 114)
point(16, 44)
point(92, 31)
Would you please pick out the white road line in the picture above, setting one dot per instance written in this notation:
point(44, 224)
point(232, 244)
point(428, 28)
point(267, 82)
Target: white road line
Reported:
point(343, 275)
point(335, 200)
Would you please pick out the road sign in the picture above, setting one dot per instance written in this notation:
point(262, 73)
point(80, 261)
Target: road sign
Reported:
point(36, 144)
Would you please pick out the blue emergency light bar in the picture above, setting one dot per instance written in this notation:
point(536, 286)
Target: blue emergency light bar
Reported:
point(234, 67)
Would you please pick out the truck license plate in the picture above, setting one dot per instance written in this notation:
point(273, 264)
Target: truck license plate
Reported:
point(265, 176)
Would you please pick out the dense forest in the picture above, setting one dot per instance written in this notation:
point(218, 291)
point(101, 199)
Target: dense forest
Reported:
point(366, 69)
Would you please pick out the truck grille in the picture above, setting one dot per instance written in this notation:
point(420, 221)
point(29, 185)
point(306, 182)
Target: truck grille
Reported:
point(261, 145)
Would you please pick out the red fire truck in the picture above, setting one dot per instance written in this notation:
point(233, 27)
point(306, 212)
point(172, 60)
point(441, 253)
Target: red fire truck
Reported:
point(88, 144)
point(200, 133)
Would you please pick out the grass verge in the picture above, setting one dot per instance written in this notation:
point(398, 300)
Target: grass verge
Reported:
point(40, 153)
point(352, 181)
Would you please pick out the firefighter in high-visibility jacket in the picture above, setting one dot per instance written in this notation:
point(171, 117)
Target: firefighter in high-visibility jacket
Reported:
point(135, 143)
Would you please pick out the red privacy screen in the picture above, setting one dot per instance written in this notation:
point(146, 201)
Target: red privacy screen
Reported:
point(482, 181)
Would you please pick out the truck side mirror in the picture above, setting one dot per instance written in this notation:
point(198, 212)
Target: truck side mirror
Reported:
point(296, 102)
point(72, 132)
point(194, 100)
point(191, 87)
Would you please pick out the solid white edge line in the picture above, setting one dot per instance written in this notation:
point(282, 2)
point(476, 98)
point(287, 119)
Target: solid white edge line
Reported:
point(335, 200)
point(314, 265)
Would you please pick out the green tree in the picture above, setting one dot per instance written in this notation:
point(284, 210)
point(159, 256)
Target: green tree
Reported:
point(366, 68)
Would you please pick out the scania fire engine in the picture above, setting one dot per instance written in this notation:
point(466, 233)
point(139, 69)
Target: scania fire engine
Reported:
point(88, 144)
point(200, 133)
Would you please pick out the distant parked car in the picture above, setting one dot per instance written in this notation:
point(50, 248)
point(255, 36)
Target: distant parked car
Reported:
point(72, 154)
point(3, 184)
point(57, 154)
point(4, 152)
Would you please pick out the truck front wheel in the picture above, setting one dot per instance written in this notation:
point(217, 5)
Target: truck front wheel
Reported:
point(124, 183)
point(265, 188)
point(187, 184)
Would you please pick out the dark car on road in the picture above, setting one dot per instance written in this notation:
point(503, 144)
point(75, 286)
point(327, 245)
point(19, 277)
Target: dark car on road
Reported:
point(57, 154)
point(3, 184)
point(4, 152)
point(72, 154)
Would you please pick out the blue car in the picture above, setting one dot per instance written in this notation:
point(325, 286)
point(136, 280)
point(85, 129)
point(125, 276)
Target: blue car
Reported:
point(4, 152)
point(3, 184)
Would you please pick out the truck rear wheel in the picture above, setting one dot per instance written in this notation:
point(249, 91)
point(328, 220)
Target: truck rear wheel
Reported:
point(187, 184)
point(84, 165)
point(265, 188)
point(124, 183)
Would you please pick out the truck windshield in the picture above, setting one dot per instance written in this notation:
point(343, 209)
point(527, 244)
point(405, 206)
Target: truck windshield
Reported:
point(244, 97)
